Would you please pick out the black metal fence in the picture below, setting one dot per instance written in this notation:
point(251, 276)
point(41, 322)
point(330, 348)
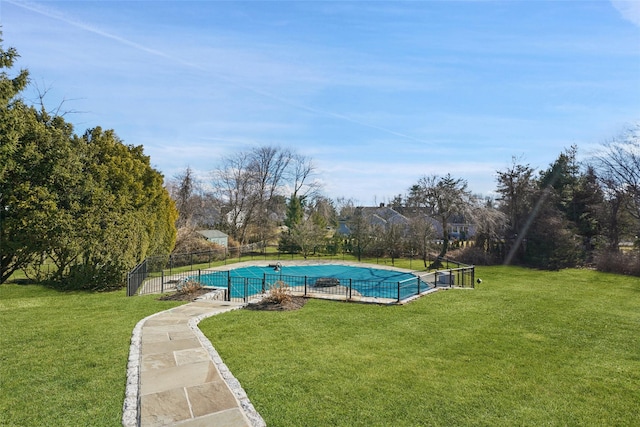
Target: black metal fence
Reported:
point(244, 289)
point(157, 265)
point(136, 278)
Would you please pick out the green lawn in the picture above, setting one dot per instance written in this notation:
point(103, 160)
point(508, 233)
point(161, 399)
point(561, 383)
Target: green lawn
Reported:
point(524, 348)
point(63, 356)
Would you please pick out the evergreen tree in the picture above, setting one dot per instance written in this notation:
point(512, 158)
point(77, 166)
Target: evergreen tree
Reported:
point(92, 205)
point(15, 119)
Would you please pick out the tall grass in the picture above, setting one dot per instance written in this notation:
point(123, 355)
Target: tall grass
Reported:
point(63, 356)
point(524, 348)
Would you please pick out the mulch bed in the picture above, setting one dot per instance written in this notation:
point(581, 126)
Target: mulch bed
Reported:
point(294, 303)
point(184, 296)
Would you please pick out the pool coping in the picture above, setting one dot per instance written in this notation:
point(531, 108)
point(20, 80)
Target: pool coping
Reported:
point(355, 299)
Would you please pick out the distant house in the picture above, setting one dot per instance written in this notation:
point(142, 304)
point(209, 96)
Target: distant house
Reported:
point(215, 236)
point(383, 216)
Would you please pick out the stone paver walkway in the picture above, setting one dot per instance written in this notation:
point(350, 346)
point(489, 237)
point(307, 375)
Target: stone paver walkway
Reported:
point(180, 378)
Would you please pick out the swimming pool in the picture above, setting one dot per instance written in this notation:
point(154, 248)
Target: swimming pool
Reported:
point(329, 279)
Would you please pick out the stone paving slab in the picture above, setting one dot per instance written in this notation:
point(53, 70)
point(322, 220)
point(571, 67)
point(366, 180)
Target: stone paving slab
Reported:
point(174, 374)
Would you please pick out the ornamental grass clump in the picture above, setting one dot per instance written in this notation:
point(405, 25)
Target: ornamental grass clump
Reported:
point(190, 287)
point(279, 293)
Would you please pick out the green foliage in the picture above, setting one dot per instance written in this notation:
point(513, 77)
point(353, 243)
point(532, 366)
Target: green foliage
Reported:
point(287, 243)
point(295, 212)
point(10, 87)
point(92, 205)
point(13, 123)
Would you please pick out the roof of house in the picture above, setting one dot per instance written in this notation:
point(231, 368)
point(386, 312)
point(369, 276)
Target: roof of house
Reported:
point(212, 234)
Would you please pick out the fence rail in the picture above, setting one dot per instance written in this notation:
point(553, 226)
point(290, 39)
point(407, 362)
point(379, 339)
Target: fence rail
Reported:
point(136, 278)
point(245, 289)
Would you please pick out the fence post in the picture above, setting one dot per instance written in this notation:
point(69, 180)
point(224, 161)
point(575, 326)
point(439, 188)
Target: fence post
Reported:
point(199, 276)
point(228, 285)
point(418, 279)
point(246, 288)
point(398, 291)
point(162, 282)
point(264, 282)
point(305, 286)
point(350, 288)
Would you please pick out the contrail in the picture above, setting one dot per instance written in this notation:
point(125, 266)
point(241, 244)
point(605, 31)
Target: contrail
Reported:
point(55, 14)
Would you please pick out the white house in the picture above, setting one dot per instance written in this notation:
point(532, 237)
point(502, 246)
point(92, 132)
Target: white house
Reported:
point(215, 236)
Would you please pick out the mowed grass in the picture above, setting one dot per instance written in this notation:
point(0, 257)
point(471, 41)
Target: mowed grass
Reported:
point(63, 356)
point(524, 348)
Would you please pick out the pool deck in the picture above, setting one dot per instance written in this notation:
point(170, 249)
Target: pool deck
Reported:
point(175, 376)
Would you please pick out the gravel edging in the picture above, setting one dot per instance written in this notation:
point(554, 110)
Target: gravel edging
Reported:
point(131, 405)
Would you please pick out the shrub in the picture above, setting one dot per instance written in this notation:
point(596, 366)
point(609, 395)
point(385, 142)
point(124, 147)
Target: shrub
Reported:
point(189, 287)
point(279, 293)
point(475, 255)
point(619, 262)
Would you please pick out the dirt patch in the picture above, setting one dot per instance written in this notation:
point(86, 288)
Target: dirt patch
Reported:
point(295, 303)
point(184, 296)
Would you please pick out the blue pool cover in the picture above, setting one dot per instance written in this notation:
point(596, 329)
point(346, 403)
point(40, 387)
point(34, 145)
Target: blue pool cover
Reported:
point(369, 282)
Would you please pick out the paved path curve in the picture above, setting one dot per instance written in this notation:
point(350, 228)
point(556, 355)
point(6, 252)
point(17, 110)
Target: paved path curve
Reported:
point(176, 377)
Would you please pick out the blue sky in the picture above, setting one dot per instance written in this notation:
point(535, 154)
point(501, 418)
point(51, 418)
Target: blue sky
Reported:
point(377, 93)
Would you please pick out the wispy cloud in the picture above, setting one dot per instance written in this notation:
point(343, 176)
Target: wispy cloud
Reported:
point(377, 93)
point(629, 9)
point(55, 14)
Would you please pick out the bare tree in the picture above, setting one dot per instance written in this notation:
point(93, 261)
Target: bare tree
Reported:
point(268, 168)
point(323, 211)
point(393, 239)
point(302, 171)
point(490, 226)
point(444, 197)
point(183, 189)
point(233, 186)
point(307, 236)
point(517, 188)
point(362, 232)
point(618, 168)
point(345, 207)
point(421, 236)
point(252, 187)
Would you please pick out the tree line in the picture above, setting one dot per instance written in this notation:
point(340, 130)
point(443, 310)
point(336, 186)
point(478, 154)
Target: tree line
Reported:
point(569, 214)
point(76, 211)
